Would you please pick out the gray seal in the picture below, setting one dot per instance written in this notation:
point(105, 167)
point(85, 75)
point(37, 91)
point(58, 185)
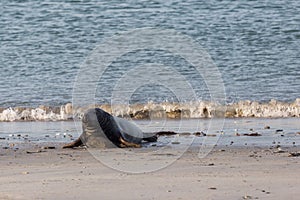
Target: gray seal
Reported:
point(102, 130)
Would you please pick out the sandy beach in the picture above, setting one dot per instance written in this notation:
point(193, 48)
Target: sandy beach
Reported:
point(227, 172)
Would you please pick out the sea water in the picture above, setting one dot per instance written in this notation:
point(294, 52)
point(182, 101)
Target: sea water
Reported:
point(254, 44)
point(43, 44)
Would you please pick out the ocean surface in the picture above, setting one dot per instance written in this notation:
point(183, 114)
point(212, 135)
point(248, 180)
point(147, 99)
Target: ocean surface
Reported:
point(43, 44)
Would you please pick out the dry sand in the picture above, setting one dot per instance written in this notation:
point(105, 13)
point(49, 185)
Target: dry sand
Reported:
point(225, 173)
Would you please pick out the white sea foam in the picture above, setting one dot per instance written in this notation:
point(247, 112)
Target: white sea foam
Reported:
point(272, 109)
point(41, 113)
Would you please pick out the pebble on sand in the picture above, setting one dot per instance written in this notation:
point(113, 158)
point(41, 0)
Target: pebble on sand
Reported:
point(252, 134)
point(48, 147)
point(175, 142)
point(212, 188)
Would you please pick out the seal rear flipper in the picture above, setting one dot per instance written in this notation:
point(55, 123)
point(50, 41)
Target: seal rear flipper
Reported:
point(151, 139)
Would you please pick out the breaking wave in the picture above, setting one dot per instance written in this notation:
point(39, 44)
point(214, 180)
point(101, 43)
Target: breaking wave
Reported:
point(272, 109)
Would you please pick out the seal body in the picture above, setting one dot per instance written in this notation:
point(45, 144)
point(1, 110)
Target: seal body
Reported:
point(100, 129)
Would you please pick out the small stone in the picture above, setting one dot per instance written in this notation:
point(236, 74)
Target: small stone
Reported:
point(247, 197)
point(175, 142)
point(201, 133)
point(252, 134)
point(279, 130)
point(49, 147)
point(25, 173)
point(211, 135)
point(37, 151)
point(211, 164)
point(212, 188)
point(197, 134)
point(267, 127)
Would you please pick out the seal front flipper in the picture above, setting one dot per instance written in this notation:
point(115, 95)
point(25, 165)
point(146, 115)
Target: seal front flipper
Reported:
point(76, 143)
point(124, 144)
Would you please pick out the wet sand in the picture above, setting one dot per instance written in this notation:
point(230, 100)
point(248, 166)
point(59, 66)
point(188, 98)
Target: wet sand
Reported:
point(227, 172)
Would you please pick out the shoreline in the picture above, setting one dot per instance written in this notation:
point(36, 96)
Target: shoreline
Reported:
point(165, 110)
point(225, 173)
point(232, 132)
